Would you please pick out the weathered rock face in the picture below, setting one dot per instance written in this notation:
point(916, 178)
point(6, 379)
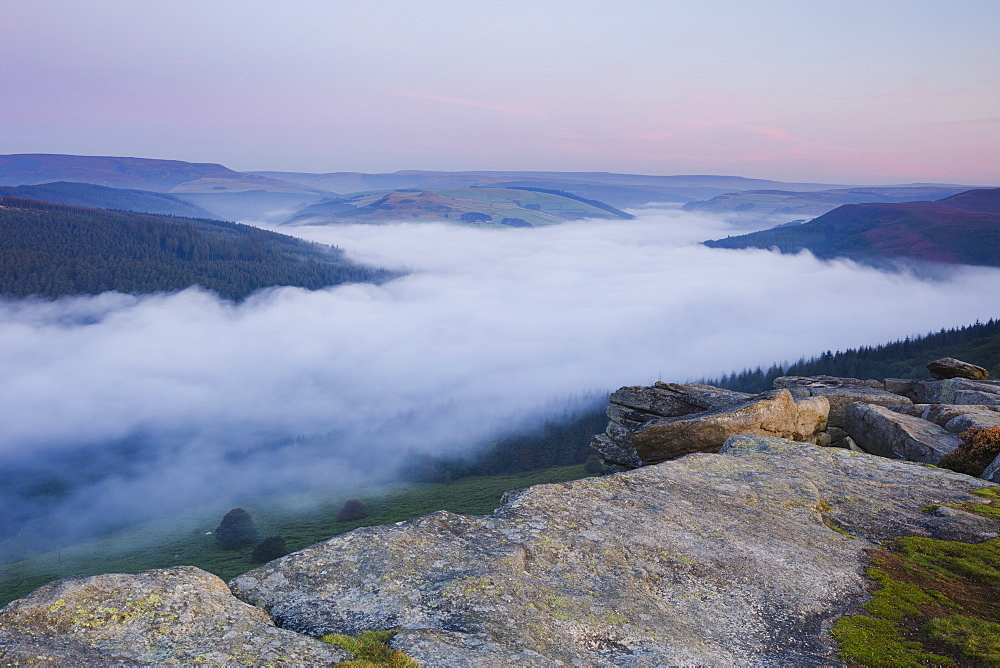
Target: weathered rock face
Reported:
point(719, 559)
point(949, 367)
point(953, 418)
point(840, 392)
point(992, 472)
point(883, 432)
point(649, 425)
point(951, 391)
point(174, 615)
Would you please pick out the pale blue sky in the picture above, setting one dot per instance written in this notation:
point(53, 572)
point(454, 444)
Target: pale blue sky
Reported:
point(878, 91)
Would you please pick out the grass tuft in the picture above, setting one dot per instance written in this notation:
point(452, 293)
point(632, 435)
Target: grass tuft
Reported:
point(370, 649)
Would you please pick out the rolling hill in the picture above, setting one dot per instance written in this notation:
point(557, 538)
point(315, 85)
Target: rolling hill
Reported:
point(52, 250)
point(961, 229)
point(762, 204)
point(619, 190)
point(103, 197)
point(495, 207)
point(134, 173)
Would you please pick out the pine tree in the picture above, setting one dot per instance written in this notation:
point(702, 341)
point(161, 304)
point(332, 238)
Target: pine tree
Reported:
point(236, 530)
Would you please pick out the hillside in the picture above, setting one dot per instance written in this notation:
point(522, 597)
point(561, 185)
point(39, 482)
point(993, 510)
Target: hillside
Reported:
point(103, 197)
point(513, 207)
point(134, 173)
point(620, 190)
point(961, 229)
point(764, 204)
point(53, 250)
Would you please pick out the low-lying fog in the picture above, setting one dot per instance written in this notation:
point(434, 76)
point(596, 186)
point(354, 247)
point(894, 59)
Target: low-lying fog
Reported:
point(492, 329)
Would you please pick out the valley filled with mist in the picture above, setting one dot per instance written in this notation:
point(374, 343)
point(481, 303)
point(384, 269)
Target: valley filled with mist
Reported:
point(124, 408)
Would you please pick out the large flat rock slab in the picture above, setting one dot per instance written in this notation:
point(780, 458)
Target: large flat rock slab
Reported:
point(884, 432)
point(179, 615)
point(724, 559)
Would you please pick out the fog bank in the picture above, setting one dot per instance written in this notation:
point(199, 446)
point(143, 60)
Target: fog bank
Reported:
point(489, 330)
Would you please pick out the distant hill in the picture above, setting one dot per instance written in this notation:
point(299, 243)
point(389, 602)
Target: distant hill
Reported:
point(135, 173)
point(961, 229)
point(53, 250)
point(103, 197)
point(512, 207)
point(765, 204)
point(620, 190)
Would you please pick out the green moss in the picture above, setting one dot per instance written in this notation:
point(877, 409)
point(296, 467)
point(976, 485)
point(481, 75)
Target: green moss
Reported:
point(370, 649)
point(877, 642)
point(990, 509)
point(938, 602)
point(978, 639)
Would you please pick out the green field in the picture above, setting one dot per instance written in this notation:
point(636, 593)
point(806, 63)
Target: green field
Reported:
point(302, 521)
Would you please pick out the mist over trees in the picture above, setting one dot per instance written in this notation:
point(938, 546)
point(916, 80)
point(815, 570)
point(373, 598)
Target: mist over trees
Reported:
point(978, 343)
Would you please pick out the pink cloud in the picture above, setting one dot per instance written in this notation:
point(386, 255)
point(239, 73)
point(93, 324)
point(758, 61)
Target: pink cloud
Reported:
point(502, 108)
point(769, 131)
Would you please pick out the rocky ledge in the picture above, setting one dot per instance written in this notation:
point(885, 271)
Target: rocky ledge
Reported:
point(177, 615)
point(742, 557)
point(915, 420)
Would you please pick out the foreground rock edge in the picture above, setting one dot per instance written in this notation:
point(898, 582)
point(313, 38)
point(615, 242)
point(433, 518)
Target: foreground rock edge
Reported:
point(172, 615)
point(745, 557)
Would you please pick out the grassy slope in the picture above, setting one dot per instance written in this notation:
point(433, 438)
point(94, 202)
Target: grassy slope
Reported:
point(537, 208)
point(183, 539)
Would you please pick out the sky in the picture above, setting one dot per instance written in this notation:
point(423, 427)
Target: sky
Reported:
point(491, 331)
point(852, 92)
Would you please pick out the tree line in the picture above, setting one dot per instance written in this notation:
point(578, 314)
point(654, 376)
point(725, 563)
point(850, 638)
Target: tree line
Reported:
point(907, 358)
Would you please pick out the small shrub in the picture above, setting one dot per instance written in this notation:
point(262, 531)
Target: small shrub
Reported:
point(352, 510)
point(236, 530)
point(980, 447)
point(272, 547)
point(593, 465)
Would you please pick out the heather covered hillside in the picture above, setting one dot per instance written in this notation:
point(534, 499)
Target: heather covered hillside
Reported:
point(961, 229)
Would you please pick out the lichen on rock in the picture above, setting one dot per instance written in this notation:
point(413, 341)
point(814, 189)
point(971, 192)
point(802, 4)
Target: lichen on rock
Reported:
point(744, 557)
point(167, 616)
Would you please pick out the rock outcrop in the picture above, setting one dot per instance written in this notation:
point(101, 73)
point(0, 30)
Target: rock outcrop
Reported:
point(949, 367)
point(886, 433)
point(175, 615)
point(953, 418)
point(649, 425)
point(840, 392)
point(950, 391)
point(740, 558)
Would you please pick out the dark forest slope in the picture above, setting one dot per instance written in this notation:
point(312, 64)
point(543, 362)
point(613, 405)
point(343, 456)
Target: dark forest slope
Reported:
point(53, 250)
